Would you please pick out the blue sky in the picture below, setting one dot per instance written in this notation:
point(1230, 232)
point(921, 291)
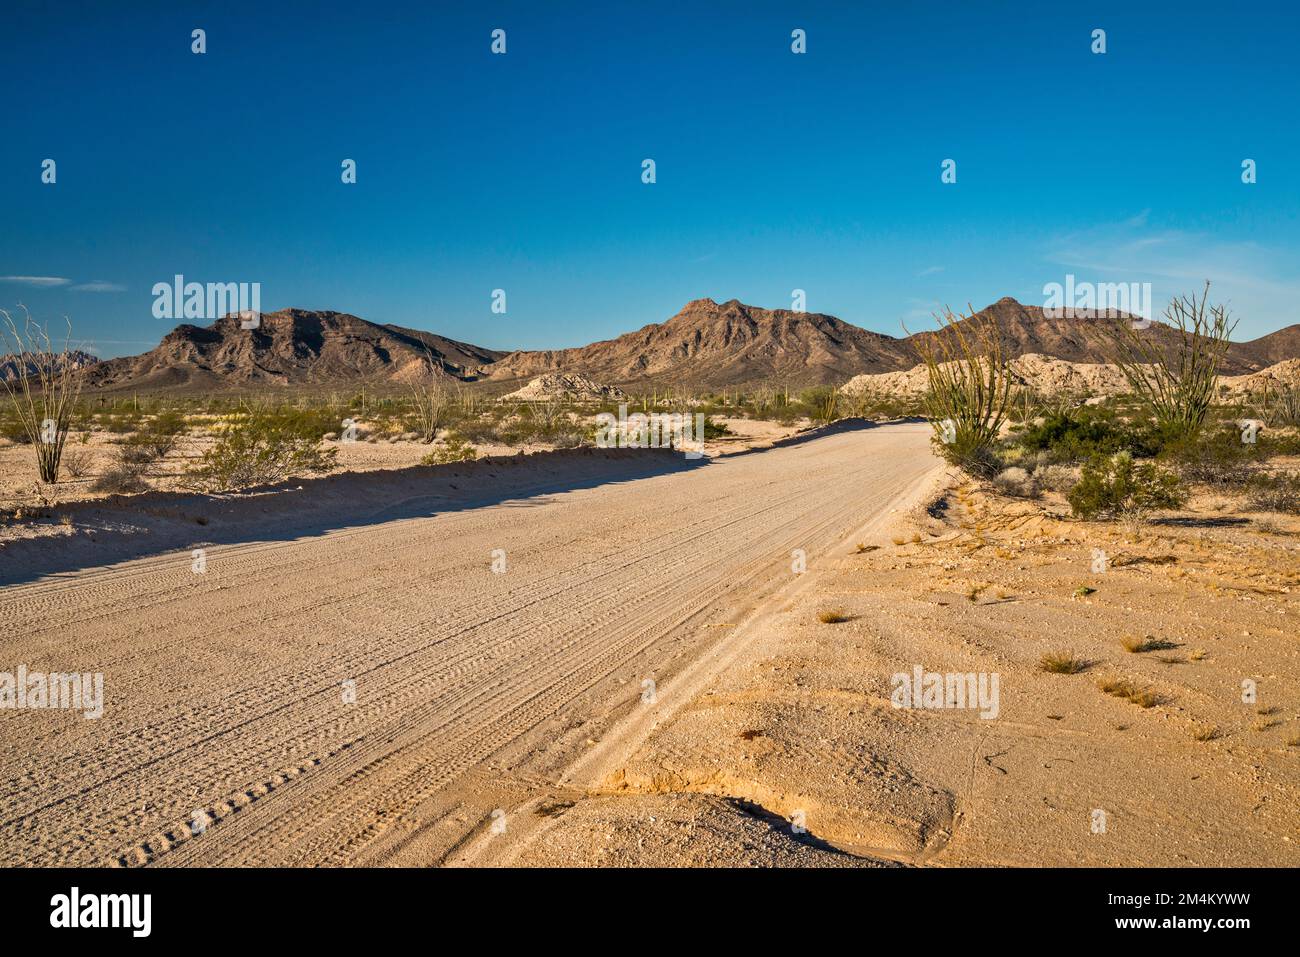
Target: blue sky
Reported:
point(775, 171)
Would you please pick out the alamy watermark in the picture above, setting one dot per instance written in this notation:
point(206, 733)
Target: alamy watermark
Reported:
point(1103, 300)
point(935, 690)
point(195, 300)
point(656, 430)
point(37, 690)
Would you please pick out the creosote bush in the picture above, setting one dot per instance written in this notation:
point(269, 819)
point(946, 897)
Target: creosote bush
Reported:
point(454, 448)
point(261, 448)
point(1115, 486)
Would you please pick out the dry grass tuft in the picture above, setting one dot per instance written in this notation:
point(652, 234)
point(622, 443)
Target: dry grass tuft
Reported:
point(832, 616)
point(1062, 663)
point(1137, 646)
point(1129, 691)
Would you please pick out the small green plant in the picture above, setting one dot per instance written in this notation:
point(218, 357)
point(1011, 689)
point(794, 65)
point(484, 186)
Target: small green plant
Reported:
point(261, 448)
point(1116, 486)
point(454, 448)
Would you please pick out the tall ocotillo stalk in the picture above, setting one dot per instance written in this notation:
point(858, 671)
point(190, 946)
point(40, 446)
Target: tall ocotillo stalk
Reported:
point(1180, 390)
point(969, 387)
point(43, 386)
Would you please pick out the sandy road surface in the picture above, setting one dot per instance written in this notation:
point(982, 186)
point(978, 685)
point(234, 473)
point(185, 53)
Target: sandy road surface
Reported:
point(474, 690)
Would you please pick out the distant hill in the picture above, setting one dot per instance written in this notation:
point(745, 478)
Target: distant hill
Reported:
point(9, 364)
point(291, 347)
point(705, 345)
point(723, 344)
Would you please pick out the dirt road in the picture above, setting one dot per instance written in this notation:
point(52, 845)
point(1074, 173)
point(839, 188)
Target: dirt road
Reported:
point(228, 733)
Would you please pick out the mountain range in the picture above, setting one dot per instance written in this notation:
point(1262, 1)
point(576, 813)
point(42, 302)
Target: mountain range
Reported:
point(707, 345)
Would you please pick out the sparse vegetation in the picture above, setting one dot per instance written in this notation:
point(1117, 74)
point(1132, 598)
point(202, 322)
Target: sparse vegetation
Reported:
point(1178, 388)
point(429, 399)
point(1123, 688)
point(832, 616)
point(969, 389)
point(121, 478)
point(1116, 486)
point(1137, 646)
point(1062, 663)
point(260, 448)
point(43, 389)
point(454, 448)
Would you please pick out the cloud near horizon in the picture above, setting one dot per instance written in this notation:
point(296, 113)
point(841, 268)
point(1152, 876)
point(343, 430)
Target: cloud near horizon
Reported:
point(1259, 287)
point(98, 285)
point(42, 282)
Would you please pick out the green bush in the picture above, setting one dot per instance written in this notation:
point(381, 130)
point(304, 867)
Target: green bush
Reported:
point(261, 448)
point(1115, 486)
point(1076, 435)
point(1218, 458)
point(454, 448)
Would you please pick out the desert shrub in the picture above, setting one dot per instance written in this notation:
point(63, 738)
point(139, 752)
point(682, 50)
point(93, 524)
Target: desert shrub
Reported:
point(76, 461)
point(969, 389)
point(1115, 486)
point(1219, 457)
point(1176, 385)
point(713, 430)
point(162, 433)
point(454, 448)
point(12, 429)
point(261, 448)
point(823, 404)
point(1076, 435)
point(1270, 443)
point(121, 423)
point(121, 478)
point(1273, 493)
point(485, 429)
point(154, 441)
point(44, 385)
point(1016, 482)
point(1055, 478)
point(1284, 412)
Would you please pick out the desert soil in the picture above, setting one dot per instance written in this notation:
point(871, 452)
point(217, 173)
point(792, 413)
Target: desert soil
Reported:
point(475, 692)
point(801, 728)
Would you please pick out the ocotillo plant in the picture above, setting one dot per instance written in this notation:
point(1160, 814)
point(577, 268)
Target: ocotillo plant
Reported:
point(1177, 388)
point(43, 386)
point(969, 387)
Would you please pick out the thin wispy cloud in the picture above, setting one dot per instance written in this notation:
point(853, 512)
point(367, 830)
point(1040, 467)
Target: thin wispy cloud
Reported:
point(1262, 287)
point(38, 281)
point(929, 271)
point(99, 285)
